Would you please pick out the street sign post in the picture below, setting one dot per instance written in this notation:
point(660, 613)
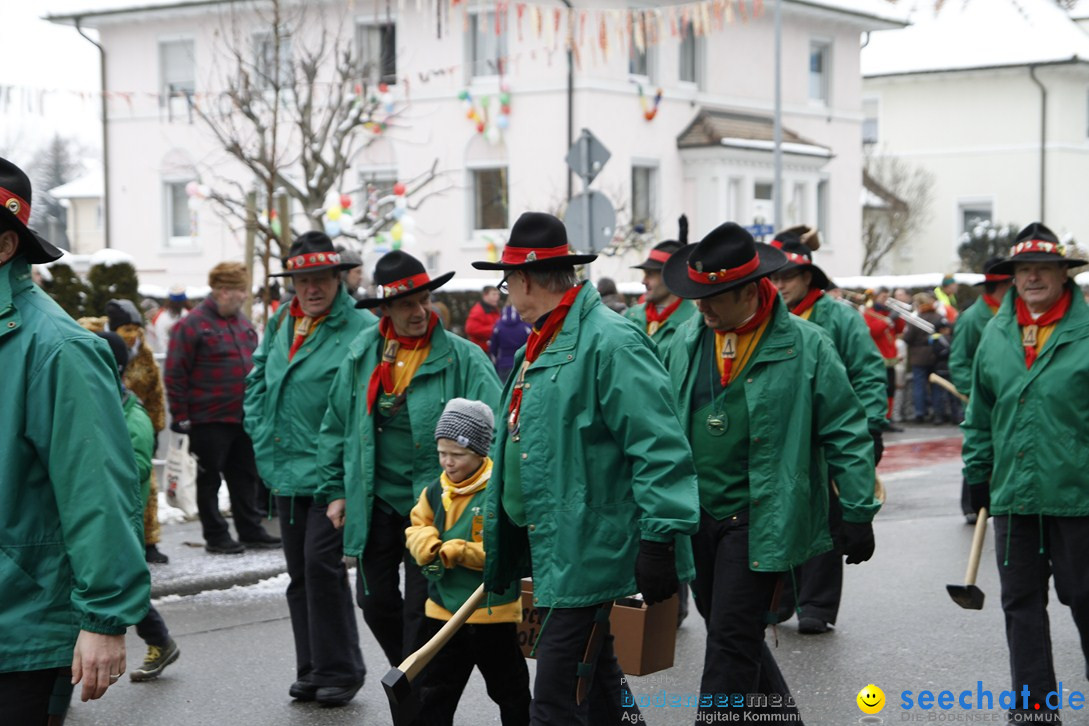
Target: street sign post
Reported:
point(587, 156)
point(590, 221)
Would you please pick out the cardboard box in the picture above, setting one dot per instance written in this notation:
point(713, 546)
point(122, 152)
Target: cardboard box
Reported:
point(644, 638)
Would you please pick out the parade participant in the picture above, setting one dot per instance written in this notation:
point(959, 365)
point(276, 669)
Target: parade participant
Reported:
point(446, 540)
point(351, 274)
point(211, 351)
point(161, 648)
point(1024, 455)
point(592, 491)
point(966, 337)
point(73, 571)
point(817, 586)
point(376, 446)
point(946, 297)
point(286, 396)
point(482, 317)
point(662, 312)
point(770, 412)
point(173, 310)
point(885, 326)
point(925, 399)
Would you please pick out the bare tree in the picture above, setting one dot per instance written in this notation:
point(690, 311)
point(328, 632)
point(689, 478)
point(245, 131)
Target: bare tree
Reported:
point(899, 196)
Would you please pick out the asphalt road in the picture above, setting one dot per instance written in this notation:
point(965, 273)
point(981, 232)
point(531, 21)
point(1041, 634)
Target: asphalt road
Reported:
point(897, 629)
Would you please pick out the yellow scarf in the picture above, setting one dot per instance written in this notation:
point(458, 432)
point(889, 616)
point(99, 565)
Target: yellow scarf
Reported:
point(477, 482)
point(745, 346)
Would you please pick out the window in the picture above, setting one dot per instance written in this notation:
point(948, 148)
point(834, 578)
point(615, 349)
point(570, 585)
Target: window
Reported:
point(869, 120)
point(797, 210)
point(489, 198)
point(487, 41)
point(822, 211)
point(644, 195)
point(641, 62)
point(176, 68)
point(820, 65)
point(376, 46)
point(381, 180)
point(973, 213)
point(762, 190)
point(268, 74)
point(691, 63)
point(180, 226)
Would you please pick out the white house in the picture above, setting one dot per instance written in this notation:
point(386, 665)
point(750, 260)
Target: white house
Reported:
point(82, 198)
point(703, 149)
point(996, 109)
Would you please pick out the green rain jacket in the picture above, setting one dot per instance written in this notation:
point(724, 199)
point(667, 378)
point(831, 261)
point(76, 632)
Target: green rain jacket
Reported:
point(603, 465)
point(661, 338)
point(285, 401)
point(142, 438)
point(71, 518)
point(966, 336)
point(1027, 429)
point(805, 422)
point(865, 366)
point(454, 368)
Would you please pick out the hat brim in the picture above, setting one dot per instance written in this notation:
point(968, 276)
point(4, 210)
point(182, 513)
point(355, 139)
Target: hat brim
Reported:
point(339, 267)
point(649, 266)
point(35, 248)
point(548, 262)
point(676, 279)
point(373, 302)
point(1007, 266)
point(820, 279)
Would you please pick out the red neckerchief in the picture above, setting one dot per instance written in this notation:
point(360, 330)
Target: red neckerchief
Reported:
point(383, 372)
point(768, 293)
point(807, 301)
point(653, 316)
point(992, 303)
point(1054, 315)
point(303, 328)
point(536, 343)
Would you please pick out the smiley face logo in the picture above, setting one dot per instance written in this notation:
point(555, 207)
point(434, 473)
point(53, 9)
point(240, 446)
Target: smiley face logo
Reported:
point(871, 699)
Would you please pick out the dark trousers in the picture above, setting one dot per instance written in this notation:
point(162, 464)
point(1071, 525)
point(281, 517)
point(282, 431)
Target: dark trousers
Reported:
point(560, 648)
point(225, 449)
point(319, 596)
point(152, 629)
point(493, 648)
point(35, 698)
point(921, 391)
point(1024, 571)
point(816, 587)
point(735, 601)
point(395, 621)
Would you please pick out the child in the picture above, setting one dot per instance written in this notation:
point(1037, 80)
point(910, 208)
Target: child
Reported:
point(445, 540)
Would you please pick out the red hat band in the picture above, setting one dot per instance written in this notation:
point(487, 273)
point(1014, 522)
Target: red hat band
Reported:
point(996, 278)
point(519, 255)
point(312, 259)
point(796, 258)
point(405, 284)
point(16, 205)
point(1037, 245)
point(659, 256)
point(719, 276)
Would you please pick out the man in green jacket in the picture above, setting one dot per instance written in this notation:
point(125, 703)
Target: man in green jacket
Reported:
point(71, 523)
point(662, 312)
point(592, 491)
point(1026, 438)
point(287, 392)
point(770, 413)
point(817, 586)
point(376, 449)
point(966, 336)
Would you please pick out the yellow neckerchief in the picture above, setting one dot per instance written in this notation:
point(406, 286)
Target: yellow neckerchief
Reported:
point(1042, 334)
point(406, 365)
point(806, 313)
point(475, 483)
point(746, 344)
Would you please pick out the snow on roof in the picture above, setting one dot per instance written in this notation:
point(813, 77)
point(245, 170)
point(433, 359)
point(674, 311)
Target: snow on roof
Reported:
point(85, 187)
point(874, 9)
point(968, 34)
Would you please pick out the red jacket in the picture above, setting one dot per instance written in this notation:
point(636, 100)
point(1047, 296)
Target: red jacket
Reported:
point(884, 330)
point(478, 326)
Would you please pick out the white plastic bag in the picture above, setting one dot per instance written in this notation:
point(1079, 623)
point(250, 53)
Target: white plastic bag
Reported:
point(181, 476)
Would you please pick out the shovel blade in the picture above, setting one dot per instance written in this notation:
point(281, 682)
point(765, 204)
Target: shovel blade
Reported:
point(398, 689)
point(968, 597)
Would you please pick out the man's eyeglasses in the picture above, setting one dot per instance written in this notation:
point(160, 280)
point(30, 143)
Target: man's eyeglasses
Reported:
point(503, 287)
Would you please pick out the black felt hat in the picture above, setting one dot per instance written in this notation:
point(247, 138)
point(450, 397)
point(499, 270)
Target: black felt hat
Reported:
point(989, 275)
point(663, 250)
point(725, 259)
point(800, 257)
point(312, 252)
point(398, 274)
point(537, 240)
point(1035, 243)
point(15, 198)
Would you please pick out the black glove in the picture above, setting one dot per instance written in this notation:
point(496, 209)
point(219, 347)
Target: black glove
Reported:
point(979, 496)
point(858, 542)
point(180, 427)
point(655, 571)
point(878, 446)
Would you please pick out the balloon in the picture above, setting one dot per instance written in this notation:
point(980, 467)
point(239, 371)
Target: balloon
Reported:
point(332, 228)
point(463, 96)
point(345, 201)
point(194, 204)
point(389, 107)
point(503, 122)
point(383, 88)
point(408, 240)
point(398, 212)
point(346, 222)
point(333, 213)
point(204, 190)
point(400, 202)
point(275, 227)
point(492, 135)
point(471, 115)
point(192, 189)
point(504, 98)
point(480, 127)
point(408, 223)
point(399, 189)
point(397, 245)
point(397, 232)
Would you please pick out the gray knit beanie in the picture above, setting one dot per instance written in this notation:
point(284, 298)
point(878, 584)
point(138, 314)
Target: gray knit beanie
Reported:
point(470, 423)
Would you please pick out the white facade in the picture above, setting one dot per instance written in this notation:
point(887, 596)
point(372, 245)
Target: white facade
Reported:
point(82, 198)
point(971, 114)
point(155, 150)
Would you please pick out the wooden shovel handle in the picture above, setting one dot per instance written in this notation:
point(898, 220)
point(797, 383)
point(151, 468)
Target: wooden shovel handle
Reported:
point(939, 381)
point(977, 547)
point(415, 662)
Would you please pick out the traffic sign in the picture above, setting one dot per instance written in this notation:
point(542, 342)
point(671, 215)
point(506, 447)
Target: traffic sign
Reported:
point(590, 221)
point(760, 230)
point(587, 156)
